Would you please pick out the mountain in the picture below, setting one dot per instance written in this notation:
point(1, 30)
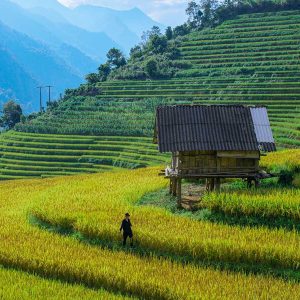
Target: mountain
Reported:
point(48, 4)
point(137, 21)
point(15, 82)
point(37, 60)
point(97, 19)
point(40, 27)
point(43, 51)
point(23, 21)
point(123, 27)
point(93, 44)
point(126, 27)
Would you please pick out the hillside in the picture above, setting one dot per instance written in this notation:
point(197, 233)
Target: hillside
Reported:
point(253, 59)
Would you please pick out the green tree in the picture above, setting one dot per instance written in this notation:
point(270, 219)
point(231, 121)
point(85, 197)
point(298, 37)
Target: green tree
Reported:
point(115, 58)
point(103, 72)
point(208, 8)
point(181, 30)
point(158, 44)
point(12, 113)
point(147, 35)
point(136, 52)
point(194, 14)
point(173, 52)
point(169, 33)
point(155, 30)
point(151, 68)
point(92, 78)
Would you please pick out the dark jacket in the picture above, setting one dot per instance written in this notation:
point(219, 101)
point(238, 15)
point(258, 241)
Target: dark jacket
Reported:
point(126, 226)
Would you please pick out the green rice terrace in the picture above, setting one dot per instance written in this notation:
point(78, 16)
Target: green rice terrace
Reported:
point(252, 59)
point(31, 155)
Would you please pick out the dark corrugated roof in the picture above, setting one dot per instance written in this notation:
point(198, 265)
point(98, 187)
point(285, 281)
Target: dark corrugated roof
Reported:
point(267, 147)
point(203, 127)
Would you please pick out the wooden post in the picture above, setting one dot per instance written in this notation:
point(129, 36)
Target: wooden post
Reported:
point(207, 184)
point(174, 192)
point(218, 185)
point(171, 186)
point(249, 182)
point(212, 184)
point(179, 193)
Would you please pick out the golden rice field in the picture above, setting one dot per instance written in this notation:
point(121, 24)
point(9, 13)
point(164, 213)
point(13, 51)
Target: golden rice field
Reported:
point(37, 262)
point(286, 158)
point(21, 285)
point(265, 203)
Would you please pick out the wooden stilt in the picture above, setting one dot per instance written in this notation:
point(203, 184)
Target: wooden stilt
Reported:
point(249, 183)
point(171, 186)
point(207, 185)
point(179, 193)
point(212, 184)
point(218, 185)
point(174, 187)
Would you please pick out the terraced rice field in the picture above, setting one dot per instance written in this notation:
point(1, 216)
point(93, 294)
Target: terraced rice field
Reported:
point(38, 155)
point(86, 261)
point(253, 59)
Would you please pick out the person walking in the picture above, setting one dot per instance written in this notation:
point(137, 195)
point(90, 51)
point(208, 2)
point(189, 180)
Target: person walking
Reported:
point(127, 231)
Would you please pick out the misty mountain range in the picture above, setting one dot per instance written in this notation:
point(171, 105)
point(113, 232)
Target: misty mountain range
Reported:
point(46, 43)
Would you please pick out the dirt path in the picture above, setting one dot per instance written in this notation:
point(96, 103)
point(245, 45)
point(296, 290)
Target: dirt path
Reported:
point(191, 195)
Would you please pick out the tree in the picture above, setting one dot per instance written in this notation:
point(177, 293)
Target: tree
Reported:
point(147, 35)
point(92, 78)
point(151, 68)
point(227, 10)
point(181, 30)
point(158, 44)
point(103, 72)
point(208, 8)
point(155, 30)
point(115, 58)
point(12, 113)
point(169, 33)
point(173, 51)
point(136, 52)
point(194, 14)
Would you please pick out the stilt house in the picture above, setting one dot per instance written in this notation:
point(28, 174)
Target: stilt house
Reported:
point(212, 142)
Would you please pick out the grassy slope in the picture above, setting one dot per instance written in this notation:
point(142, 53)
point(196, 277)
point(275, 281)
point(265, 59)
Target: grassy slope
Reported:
point(253, 59)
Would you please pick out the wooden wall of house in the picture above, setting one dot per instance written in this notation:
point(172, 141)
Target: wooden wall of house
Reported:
point(215, 162)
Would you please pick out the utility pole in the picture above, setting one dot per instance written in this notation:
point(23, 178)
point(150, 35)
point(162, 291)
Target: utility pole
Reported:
point(41, 105)
point(49, 92)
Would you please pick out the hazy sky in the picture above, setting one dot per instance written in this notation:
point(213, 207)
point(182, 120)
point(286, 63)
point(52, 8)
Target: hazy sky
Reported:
point(168, 12)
